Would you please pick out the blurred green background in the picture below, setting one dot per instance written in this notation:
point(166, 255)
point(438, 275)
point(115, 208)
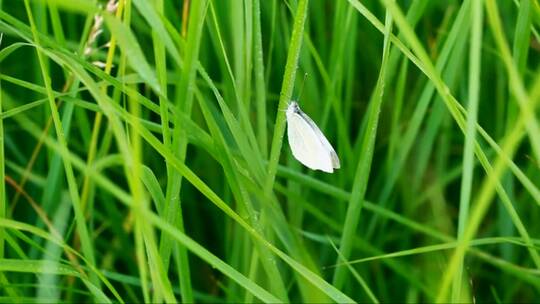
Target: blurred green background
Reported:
point(143, 149)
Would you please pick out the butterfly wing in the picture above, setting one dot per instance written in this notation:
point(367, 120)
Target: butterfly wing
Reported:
point(306, 144)
point(325, 142)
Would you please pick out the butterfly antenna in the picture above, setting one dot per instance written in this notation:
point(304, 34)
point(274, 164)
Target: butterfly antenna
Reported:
point(301, 88)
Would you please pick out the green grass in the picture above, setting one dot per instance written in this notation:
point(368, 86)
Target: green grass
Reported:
point(144, 160)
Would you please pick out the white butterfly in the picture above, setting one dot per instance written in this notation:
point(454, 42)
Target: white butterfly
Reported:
point(308, 145)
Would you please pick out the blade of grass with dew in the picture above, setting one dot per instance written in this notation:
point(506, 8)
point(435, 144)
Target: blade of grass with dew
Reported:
point(286, 91)
point(364, 163)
